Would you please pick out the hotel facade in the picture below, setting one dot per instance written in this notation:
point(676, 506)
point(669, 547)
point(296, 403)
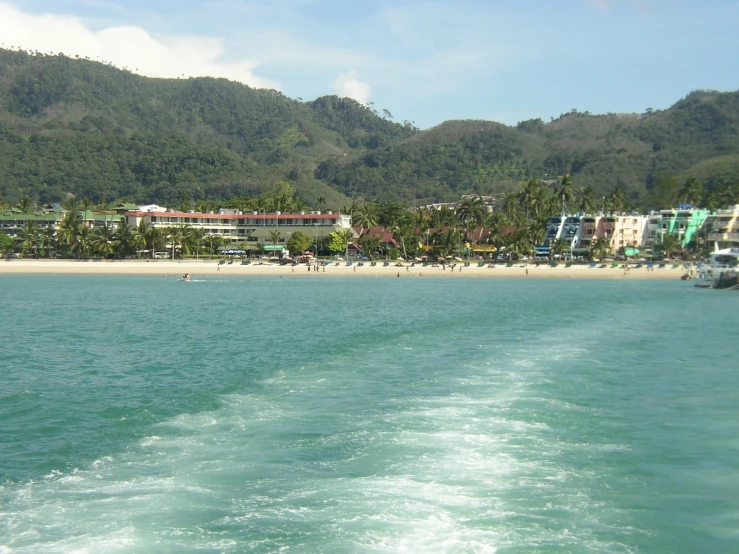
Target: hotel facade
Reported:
point(244, 230)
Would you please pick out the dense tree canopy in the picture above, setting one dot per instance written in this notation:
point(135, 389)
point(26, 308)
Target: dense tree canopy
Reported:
point(77, 127)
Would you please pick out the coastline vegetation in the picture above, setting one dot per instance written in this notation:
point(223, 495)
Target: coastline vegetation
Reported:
point(86, 129)
point(386, 229)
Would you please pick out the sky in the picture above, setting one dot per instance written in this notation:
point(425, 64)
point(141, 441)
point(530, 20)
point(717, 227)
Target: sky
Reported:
point(423, 61)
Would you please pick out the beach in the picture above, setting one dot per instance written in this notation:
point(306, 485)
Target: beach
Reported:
point(169, 268)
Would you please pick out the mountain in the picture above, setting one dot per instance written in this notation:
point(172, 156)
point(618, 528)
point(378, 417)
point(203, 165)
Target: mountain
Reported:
point(698, 136)
point(86, 128)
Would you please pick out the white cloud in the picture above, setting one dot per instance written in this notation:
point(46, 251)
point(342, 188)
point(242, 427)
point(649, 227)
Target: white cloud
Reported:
point(349, 84)
point(124, 46)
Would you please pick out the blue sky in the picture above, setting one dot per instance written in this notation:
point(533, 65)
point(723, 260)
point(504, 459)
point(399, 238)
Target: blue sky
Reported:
point(423, 61)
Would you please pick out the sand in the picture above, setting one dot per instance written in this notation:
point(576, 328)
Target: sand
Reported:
point(211, 267)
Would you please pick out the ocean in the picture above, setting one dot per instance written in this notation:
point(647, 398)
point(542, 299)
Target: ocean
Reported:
point(324, 414)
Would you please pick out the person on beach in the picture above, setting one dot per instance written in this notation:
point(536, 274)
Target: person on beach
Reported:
point(527, 271)
point(186, 277)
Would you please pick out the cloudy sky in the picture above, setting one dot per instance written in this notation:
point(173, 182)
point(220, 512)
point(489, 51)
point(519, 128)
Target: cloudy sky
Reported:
point(423, 61)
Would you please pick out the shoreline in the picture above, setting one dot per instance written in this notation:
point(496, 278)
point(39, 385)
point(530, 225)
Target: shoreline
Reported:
point(212, 267)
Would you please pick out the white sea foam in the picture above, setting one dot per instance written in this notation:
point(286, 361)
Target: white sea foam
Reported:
point(472, 470)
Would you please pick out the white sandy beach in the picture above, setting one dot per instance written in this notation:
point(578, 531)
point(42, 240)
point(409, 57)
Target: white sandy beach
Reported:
point(211, 267)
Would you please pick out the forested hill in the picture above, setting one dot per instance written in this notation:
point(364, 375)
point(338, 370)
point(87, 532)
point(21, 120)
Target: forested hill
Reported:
point(698, 137)
point(86, 128)
point(82, 127)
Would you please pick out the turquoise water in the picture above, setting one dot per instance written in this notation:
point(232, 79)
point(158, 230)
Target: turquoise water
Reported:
point(142, 414)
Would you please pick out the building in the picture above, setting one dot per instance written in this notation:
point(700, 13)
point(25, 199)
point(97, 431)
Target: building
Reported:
point(683, 222)
point(13, 222)
point(629, 234)
point(244, 230)
point(722, 228)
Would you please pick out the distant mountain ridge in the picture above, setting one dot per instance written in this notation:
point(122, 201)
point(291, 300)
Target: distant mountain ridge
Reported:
point(89, 129)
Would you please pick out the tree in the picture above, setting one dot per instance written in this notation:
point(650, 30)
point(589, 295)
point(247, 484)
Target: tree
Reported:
point(586, 200)
point(472, 210)
point(214, 241)
point(125, 240)
point(669, 244)
point(103, 241)
point(298, 243)
point(30, 236)
point(197, 240)
point(69, 229)
point(320, 203)
point(26, 205)
point(365, 217)
point(564, 191)
point(560, 246)
point(691, 191)
point(600, 248)
point(81, 244)
point(617, 199)
point(528, 197)
point(664, 191)
point(7, 244)
point(339, 241)
point(275, 237)
point(370, 244)
point(521, 243)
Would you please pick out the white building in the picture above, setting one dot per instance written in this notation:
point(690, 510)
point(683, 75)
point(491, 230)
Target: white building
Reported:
point(244, 228)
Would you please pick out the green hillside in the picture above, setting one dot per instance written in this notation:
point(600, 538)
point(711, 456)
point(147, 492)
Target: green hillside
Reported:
point(81, 127)
point(699, 134)
point(89, 129)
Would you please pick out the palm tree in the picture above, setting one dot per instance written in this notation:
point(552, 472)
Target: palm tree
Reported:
point(81, 244)
point(69, 229)
point(103, 241)
point(30, 234)
point(125, 239)
point(472, 209)
point(529, 191)
point(669, 244)
point(521, 243)
point(213, 241)
point(346, 236)
point(26, 205)
point(48, 240)
point(197, 237)
point(70, 204)
point(691, 191)
point(320, 202)
point(600, 248)
point(564, 190)
point(450, 241)
point(365, 217)
point(617, 200)
point(274, 236)
point(559, 246)
point(586, 200)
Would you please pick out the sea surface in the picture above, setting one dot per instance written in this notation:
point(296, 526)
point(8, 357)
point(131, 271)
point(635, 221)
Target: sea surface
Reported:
point(301, 414)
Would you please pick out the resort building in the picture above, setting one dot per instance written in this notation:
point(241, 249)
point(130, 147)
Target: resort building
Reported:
point(722, 228)
point(247, 229)
point(13, 222)
point(684, 222)
point(629, 234)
